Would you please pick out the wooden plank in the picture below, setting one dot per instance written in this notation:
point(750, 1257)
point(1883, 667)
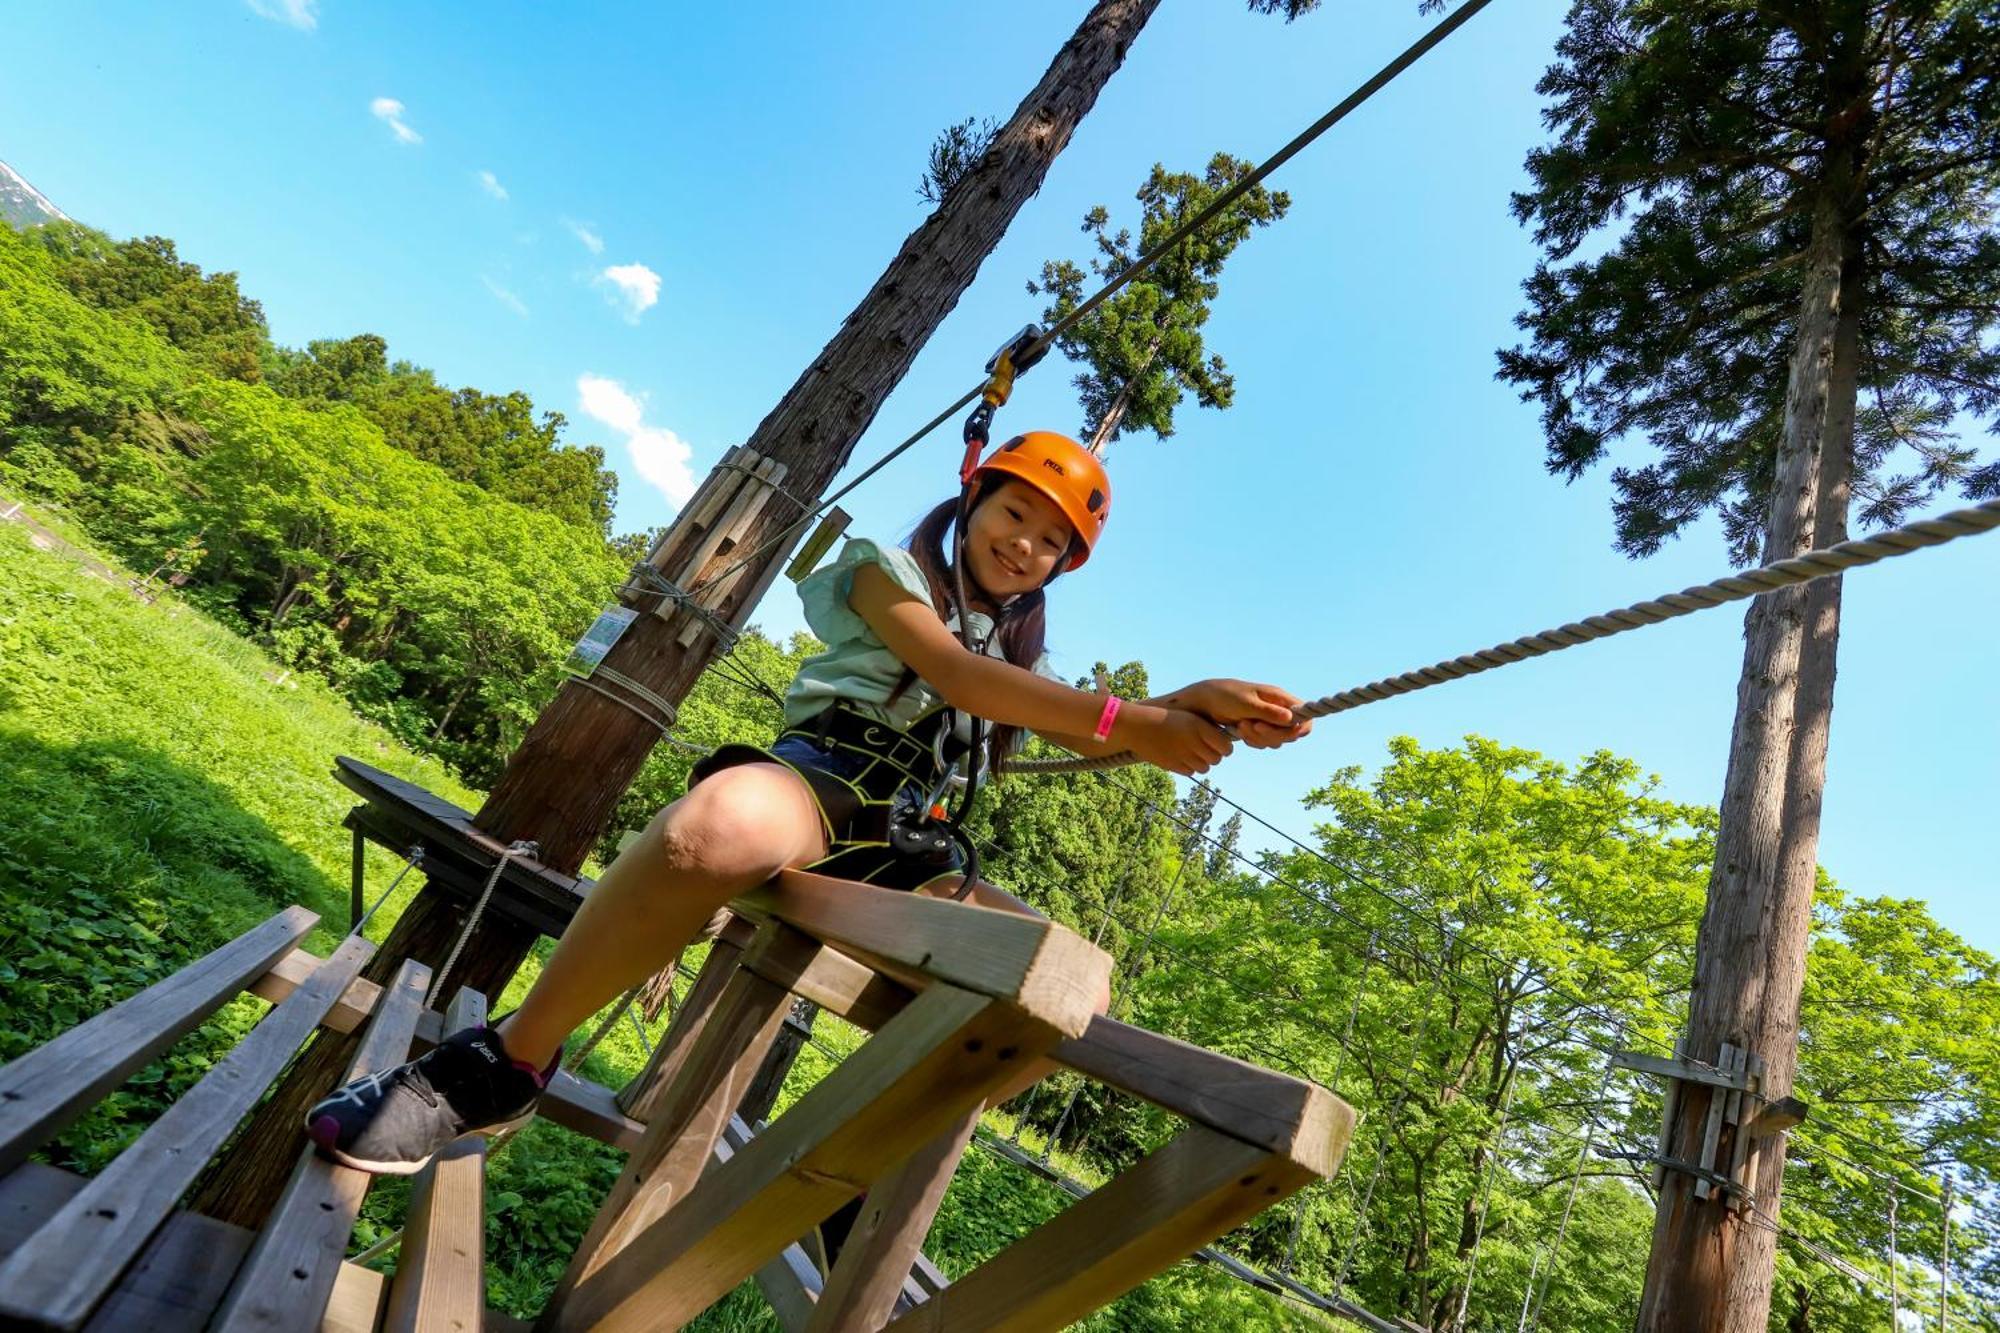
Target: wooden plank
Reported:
point(349, 1012)
point(681, 1134)
point(1711, 1133)
point(1262, 1107)
point(30, 1195)
point(831, 525)
point(1045, 970)
point(791, 1281)
point(874, 1265)
point(179, 1278)
point(640, 1098)
point(50, 1086)
point(842, 986)
point(1685, 1070)
point(355, 1304)
point(769, 475)
point(1259, 1106)
point(289, 1276)
point(1197, 1187)
point(588, 1108)
point(440, 1279)
point(933, 1062)
point(61, 1274)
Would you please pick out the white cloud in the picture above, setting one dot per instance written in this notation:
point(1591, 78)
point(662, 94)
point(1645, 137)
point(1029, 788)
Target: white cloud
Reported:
point(491, 184)
point(505, 297)
point(583, 232)
point(660, 456)
point(390, 111)
point(633, 288)
point(299, 13)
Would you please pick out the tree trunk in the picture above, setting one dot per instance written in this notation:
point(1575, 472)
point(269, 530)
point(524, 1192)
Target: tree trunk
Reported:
point(561, 786)
point(812, 430)
point(1712, 1268)
point(457, 698)
point(1107, 426)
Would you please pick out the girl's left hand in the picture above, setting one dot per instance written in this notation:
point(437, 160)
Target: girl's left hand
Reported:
point(1261, 714)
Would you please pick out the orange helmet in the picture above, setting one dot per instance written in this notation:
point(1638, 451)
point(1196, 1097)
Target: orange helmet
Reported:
point(1066, 472)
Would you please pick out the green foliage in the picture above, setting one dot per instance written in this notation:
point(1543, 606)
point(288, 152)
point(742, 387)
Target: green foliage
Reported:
point(162, 797)
point(1142, 350)
point(1705, 153)
point(438, 607)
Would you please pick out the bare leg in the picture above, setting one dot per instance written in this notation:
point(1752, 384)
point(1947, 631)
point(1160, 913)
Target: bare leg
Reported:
point(730, 833)
point(988, 895)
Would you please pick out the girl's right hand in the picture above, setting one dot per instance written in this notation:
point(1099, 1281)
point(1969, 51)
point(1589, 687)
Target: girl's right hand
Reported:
point(1176, 740)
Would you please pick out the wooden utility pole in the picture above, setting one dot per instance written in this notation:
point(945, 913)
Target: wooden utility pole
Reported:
point(560, 787)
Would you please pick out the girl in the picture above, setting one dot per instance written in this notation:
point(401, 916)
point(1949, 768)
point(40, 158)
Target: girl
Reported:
point(871, 726)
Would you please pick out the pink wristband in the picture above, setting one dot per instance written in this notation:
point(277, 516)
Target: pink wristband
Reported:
point(1106, 718)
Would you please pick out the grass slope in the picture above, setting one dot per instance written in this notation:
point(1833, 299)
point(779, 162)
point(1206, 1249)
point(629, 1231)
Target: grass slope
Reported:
point(164, 794)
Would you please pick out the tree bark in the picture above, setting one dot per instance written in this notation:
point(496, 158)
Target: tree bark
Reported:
point(562, 785)
point(1712, 1268)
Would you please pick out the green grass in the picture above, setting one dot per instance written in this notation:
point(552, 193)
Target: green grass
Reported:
point(163, 794)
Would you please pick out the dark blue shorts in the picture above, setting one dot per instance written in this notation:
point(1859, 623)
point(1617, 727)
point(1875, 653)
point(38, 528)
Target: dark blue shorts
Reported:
point(856, 792)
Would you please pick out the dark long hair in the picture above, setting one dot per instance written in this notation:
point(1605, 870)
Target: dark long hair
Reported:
point(1022, 624)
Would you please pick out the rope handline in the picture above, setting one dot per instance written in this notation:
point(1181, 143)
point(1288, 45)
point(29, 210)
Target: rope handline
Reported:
point(472, 922)
point(1410, 55)
point(1804, 568)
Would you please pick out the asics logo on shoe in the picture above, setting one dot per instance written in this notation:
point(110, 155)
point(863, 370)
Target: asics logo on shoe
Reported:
point(492, 1058)
point(353, 1091)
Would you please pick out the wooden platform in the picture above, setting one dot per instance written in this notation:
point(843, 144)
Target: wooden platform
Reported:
point(458, 855)
point(961, 1000)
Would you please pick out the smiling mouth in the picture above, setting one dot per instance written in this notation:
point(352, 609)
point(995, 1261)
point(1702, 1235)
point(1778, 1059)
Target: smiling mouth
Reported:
point(1009, 566)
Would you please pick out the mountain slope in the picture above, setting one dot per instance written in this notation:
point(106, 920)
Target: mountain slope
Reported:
point(22, 204)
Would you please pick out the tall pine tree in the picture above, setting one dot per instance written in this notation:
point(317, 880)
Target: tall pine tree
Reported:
point(1790, 297)
point(1142, 350)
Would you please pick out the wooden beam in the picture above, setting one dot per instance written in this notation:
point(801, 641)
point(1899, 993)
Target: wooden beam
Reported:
point(1197, 1187)
point(1290, 1116)
point(179, 1278)
point(1259, 1106)
point(355, 1304)
point(286, 1282)
point(286, 975)
point(640, 1098)
point(50, 1086)
point(933, 1062)
point(722, 1057)
point(440, 1279)
point(1778, 1117)
point(874, 1265)
point(842, 986)
point(58, 1277)
point(1685, 1070)
point(1042, 967)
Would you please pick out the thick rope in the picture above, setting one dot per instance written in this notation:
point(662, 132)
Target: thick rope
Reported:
point(1804, 568)
point(472, 922)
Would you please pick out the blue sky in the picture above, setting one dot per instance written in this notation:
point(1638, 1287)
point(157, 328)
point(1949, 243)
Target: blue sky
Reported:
point(678, 208)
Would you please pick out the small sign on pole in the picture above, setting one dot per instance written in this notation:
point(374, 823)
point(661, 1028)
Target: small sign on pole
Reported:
point(599, 639)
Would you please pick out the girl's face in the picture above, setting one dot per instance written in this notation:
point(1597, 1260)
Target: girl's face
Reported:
point(1015, 540)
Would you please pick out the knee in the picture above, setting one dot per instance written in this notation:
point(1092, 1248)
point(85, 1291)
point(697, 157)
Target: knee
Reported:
point(1102, 1004)
point(731, 825)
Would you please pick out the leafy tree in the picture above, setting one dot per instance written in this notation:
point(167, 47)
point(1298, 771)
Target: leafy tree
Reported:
point(1142, 349)
point(205, 315)
point(1788, 288)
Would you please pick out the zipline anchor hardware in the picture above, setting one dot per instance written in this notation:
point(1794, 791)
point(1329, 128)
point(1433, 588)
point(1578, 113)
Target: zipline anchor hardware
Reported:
point(1017, 354)
point(1736, 1104)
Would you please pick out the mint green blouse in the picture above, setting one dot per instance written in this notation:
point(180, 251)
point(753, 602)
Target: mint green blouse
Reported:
point(857, 668)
